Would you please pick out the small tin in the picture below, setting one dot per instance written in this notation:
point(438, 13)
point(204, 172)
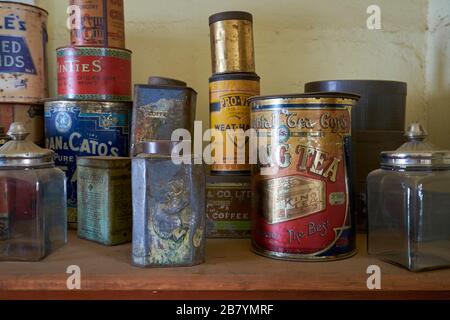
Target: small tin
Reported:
point(302, 207)
point(230, 110)
point(97, 23)
point(85, 128)
point(160, 108)
point(104, 199)
point(23, 61)
point(93, 73)
point(228, 206)
point(232, 48)
point(31, 115)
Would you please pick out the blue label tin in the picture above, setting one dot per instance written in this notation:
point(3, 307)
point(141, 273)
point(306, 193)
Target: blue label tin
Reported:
point(85, 128)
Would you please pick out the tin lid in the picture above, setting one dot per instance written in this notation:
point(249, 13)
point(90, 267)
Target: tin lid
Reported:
point(417, 153)
point(161, 147)
point(162, 81)
point(104, 162)
point(230, 15)
point(21, 153)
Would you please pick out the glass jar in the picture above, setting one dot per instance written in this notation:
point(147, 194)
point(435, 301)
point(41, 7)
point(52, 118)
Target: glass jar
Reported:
point(409, 205)
point(32, 200)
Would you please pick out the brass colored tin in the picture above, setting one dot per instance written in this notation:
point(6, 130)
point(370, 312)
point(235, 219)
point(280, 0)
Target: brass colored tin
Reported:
point(104, 199)
point(232, 48)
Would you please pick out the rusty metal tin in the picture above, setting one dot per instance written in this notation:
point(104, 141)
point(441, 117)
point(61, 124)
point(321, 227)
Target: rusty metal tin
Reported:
point(104, 199)
point(302, 206)
point(93, 73)
point(228, 206)
point(32, 116)
point(232, 48)
point(97, 23)
point(161, 108)
point(23, 61)
point(230, 110)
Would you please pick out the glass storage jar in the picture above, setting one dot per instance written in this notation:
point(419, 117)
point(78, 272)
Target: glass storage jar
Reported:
point(32, 200)
point(409, 205)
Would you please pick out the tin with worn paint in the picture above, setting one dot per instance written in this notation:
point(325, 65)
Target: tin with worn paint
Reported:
point(23, 61)
point(232, 47)
point(85, 128)
point(168, 208)
point(230, 110)
point(104, 199)
point(94, 73)
point(97, 23)
point(160, 108)
point(31, 115)
point(302, 205)
point(228, 206)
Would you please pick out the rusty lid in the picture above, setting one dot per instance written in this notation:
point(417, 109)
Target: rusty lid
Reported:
point(162, 81)
point(230, 15)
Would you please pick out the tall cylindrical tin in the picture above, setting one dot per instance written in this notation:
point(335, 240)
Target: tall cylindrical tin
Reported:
point(230, 110)
point(85, 128)
point(160, 108)
point(232, 47)
point(23, 60)
point(93, 73)
point(32, 116)
point(302, 206)
point(97, 23)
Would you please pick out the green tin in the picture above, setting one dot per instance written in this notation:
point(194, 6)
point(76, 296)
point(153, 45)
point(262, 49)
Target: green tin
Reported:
point(104, 199)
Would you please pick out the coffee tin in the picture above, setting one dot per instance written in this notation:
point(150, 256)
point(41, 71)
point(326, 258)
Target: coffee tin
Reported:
point(302, 205)
point(104, 199)
point(93, 73)
point(85, 128)
point(23, 61)
point(230, 110)
point(31, 115)
point(97, 23)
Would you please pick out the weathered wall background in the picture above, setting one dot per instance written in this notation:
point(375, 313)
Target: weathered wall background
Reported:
point(296, 41)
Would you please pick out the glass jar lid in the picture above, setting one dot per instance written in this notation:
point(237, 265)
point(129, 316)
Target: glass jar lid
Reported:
point(21, 153)
point(417, 153)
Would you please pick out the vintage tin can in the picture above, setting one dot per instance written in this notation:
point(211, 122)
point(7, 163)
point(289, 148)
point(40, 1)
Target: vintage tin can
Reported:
point(232, 48)
point(23, 61)
point(85, 128)
point(168, 208)
point(104, 199)
point(302, 208)
point(160, 108)
point(97, 23)
point(230, 110)
point(32, 116)
point(228, 206)
point(92, 73)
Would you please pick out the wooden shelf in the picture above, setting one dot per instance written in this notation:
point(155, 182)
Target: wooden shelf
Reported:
point(231, 272)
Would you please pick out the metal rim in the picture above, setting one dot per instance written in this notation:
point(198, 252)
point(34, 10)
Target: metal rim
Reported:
point(235, 76)
point(230, 15)
point(25, 4)
point(317, 95)
point(416, 160)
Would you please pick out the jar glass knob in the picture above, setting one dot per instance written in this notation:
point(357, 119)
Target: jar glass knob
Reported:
point(416, 131)
point(17, 131)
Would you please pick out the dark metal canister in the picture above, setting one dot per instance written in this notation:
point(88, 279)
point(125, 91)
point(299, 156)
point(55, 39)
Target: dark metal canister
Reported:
point(97, 23)
point(23, 61)
point(232, 47)
point(85, 128)
point(31, 115)
point(302, 206)
point(168, 208)
point(94, 73)
point(161, 107)
point(230, 110)
point(104, 199)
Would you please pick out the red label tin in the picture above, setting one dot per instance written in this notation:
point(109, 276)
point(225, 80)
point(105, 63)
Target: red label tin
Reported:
point(91, 73)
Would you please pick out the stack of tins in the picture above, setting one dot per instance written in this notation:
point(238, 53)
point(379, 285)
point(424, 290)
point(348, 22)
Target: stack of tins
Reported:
point(378, 125)
point(23, 65)
point(233, 82)
point(92, 115)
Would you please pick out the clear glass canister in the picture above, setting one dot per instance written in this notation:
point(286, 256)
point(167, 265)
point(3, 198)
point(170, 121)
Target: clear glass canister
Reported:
point(32, 200)
point(168, 208)
point(409, 205)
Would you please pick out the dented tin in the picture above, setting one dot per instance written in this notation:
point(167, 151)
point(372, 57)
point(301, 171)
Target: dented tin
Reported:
point(97, 23)
point(302, 206)
point(85, 128)
point(23, 61)
point(230, 110)
point(160, 108)
point(104, 199)
point(32, 117)
point(93, 73)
